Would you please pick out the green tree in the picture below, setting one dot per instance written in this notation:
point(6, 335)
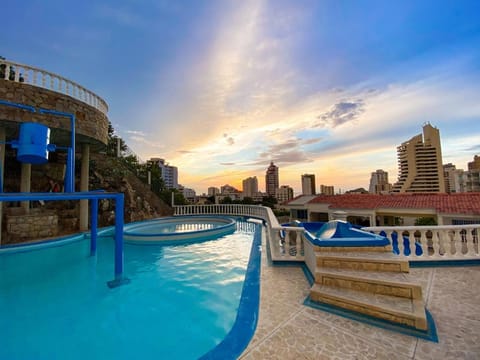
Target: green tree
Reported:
point(269, 201)
point(226, 200)
point(113, 140)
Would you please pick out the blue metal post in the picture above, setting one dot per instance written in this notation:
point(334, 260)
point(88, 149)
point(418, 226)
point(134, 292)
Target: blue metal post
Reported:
point(93, 225)
point(69, 176)
point(119, 278)
point(69, 183)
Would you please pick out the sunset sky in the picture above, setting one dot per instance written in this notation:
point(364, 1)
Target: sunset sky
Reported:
point(222, 88)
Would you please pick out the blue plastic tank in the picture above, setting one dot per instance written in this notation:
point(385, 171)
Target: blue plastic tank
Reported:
point(33, 143)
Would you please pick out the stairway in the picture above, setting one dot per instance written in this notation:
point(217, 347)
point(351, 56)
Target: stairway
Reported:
point(371, 283)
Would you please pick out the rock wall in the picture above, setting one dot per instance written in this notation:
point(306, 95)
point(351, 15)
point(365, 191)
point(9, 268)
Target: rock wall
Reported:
point(34, 225)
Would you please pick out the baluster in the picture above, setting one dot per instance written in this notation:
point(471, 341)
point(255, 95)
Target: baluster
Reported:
point(388, 235)
point(286, 241)
point(299, 244)
point(16, 77)
point(411, 242)
point(435, 243)
point(401, 247)
point(424, 243)
point(457, 243)
point(44, 79)
point(470, 247)
point(451, 251)
point(35, 77)
point(52, 80)
point(475, 241)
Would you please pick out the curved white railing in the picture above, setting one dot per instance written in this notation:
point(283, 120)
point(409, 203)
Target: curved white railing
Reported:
point(37, 77)
point(287, 243)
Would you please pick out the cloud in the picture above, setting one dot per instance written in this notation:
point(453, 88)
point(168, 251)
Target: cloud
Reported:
point(136, 133)
point(152, 144)
point(227, 163)
point(340, 113)
point(230, 140)
point(288, 152)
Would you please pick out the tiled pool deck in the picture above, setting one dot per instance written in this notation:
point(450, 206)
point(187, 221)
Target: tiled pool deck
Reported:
point(287, 329)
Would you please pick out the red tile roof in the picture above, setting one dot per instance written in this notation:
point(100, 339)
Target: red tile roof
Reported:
point(461, 203)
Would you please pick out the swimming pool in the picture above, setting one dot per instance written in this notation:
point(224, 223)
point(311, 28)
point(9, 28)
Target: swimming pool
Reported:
point(181, 302)
point(179, 229)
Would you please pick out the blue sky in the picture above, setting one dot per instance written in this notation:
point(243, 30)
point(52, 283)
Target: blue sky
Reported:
point(221, 88)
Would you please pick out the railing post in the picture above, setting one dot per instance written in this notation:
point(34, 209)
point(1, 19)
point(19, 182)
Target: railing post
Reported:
point(470, 247)
point(93, 226)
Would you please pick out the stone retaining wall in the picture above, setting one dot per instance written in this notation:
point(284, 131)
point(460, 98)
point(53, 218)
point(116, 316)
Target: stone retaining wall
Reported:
point(34, 225)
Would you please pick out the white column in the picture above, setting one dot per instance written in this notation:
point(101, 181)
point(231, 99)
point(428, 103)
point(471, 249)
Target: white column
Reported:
point(84, 175)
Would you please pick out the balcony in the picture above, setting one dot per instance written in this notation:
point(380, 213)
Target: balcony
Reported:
point(16, 72)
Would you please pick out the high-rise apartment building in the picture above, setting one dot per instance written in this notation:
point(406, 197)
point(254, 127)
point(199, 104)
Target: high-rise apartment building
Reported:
point(168, 173)
point(212, 191)
point(379, 183)
point(284, 193)
point(308, 184)
point(327, 190)
point(271, 180)
point(466, 181)
point(250, 186)
point(475, 164)
point(420, 163)
point(449, 177)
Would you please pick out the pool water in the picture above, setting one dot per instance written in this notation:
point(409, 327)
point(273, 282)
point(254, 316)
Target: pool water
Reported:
point(181, 301)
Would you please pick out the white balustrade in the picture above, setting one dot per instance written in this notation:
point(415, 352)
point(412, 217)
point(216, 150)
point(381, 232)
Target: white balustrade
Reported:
point(415, 243)
point(30, 75)
point(442, 242)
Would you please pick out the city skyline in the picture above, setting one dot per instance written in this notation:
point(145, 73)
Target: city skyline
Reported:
point(223, 88)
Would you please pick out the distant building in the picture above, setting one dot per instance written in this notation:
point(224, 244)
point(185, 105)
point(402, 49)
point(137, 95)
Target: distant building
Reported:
point(327, 190)
point(466, 181)
point(379, 183)
point(271, 180)
point(391, 210)
point(420, 163)
point(284, 193)
point(168, 173)
point(357, 191)
point(475, 164)
point(250, 186)
point(229, 190)
point(188, 194)
point(212, 191)
point(449, 177)
point(308, 184)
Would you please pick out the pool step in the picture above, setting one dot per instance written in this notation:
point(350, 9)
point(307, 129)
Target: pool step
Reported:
point(374, 283)
point(386, 283)
point(367, 261)
point(405, 311)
